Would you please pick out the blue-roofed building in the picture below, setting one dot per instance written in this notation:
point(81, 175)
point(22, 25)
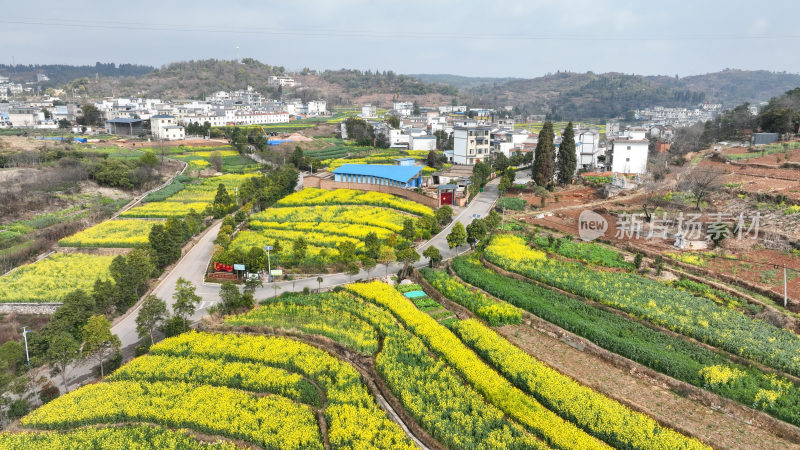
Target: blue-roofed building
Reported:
point(397, 176)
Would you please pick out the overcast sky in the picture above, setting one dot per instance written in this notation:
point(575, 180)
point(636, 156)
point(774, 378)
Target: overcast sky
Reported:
point(524, 38)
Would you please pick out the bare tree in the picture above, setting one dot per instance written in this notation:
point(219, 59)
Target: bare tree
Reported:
point(652, 199)
point(701, 182)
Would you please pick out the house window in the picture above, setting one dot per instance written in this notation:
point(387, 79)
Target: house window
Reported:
point(627, 160)
point(629, 147)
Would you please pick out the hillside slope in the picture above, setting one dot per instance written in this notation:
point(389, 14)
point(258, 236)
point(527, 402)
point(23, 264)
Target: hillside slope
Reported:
point(196, 79)
point(61, 73)
point(590, 95)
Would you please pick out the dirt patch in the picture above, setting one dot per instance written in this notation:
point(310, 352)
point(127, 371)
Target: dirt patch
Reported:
point(566, 197)
point(92, 188)
point(11, 325)
point(773, 159)
point(24, 143)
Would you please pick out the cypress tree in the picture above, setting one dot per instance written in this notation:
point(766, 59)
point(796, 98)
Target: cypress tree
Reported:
point(567, 159)
point(545, 156)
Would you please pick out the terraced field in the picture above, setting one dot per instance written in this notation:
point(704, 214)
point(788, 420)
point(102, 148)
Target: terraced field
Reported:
point(122, 233)
point(215, 384)
point(681, 358)
point(438, 394)
point(197, 197)
point(50, 279)
point(326, 219)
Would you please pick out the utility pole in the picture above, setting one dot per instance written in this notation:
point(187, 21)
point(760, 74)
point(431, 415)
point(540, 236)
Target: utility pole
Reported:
point(784, 287)
point(269, 264)
point(25, 336)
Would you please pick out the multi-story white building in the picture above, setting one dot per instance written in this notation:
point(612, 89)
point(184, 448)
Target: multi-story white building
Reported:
point(587, 148)
point(403, 108)
point(505, 124)
point(24, 117)
point(471, 145)
point(452, 109)
point(165, 126)
point(217, 118)
point(317, 108)
point(627, 156)
point(259, 118)
point(504, 147)
point(466, 123)
point(369, 111)
point(282, 81)
point(173, 133)
point(636, 133)
point(397, 138)
point(422, 142)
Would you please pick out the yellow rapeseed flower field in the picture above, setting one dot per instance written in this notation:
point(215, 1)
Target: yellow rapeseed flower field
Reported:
point(50, 279)
point(123, 233)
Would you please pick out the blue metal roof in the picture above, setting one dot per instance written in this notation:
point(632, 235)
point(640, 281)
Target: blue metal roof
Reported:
point(163, 116)
point(397, 173)
point(124, 120)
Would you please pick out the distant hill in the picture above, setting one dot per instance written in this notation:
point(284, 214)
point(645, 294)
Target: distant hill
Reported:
point(734, 87)
point(196, 79)
point(561, 95)
point(585, 95)
point(460, 82)
point(589, 95)
point(60, 73)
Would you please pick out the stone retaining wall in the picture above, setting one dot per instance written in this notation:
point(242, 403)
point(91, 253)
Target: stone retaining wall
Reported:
point(29, 308)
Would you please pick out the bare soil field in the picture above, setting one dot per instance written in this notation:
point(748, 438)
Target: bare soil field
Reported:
point(757, 264)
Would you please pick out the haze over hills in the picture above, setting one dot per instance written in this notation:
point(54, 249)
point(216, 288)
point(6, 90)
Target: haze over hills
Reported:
point(196, 79)
point(559, 95)
point(62, 73)
point(587, 95)
point(459, 81)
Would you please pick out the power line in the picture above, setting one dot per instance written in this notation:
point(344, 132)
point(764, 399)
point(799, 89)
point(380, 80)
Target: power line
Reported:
point(194, 28)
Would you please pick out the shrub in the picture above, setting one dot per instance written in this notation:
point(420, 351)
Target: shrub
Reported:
point(48, 393)
point(511, 203)
point(18, 408)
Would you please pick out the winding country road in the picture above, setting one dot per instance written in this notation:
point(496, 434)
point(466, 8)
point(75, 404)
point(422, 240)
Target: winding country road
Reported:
point(193, 264)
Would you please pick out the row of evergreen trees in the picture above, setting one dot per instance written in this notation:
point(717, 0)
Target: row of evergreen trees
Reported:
point(546, 166)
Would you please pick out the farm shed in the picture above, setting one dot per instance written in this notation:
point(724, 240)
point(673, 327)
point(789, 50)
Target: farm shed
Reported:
point(398, 176)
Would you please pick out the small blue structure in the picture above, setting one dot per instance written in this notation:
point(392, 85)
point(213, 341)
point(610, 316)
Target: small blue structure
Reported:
point(81, 140)
point(415, 294)
point(405, 161)
point(397, 176)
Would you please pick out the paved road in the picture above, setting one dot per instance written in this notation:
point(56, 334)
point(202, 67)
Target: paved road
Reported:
point(193, 264)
